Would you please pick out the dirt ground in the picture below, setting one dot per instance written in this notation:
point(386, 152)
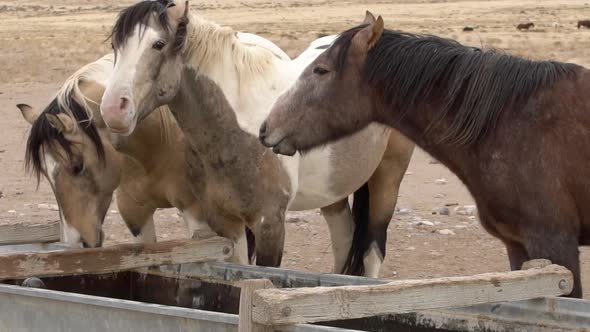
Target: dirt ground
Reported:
point(44, 43)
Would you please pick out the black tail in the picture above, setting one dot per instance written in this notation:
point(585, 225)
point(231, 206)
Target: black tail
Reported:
point(360, 241)
point(251, 245)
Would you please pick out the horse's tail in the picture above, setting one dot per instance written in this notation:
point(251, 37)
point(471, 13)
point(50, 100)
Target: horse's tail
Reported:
point(360, 242)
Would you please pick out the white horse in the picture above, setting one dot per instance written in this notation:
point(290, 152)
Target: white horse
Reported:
point(155, 40)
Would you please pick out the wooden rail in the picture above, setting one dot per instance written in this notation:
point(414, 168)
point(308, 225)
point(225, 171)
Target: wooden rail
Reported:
point(308, 305)
point(29, 233)
point(115, 258)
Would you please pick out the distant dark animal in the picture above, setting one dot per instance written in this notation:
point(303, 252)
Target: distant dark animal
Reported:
point(515, 131)
point(584, 23)
point(525, 26)
point(468, 28)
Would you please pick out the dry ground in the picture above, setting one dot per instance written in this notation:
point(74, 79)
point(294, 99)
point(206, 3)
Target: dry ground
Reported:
point(42, 44)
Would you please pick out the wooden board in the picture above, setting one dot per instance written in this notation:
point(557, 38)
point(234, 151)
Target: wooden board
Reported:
point(307, 305)
point(29, 233)
point(115, 258)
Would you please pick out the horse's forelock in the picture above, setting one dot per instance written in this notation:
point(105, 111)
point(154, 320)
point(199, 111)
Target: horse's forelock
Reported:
point(44, 136)
point(139, 13)
point(342, 46)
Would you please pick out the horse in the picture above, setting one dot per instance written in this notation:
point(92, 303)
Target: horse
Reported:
point(525, 26)
point(512, 129)
point(584, 23)
point(71, 147)
point(161, 184)
point(154, 40)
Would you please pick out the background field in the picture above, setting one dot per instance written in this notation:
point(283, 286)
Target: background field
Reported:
point(41, 44)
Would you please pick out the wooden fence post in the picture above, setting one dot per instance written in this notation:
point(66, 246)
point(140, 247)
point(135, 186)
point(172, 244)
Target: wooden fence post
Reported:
point(246, 324)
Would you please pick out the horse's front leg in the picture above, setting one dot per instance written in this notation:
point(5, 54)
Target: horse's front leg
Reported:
point(138, 216)
point(341, 226)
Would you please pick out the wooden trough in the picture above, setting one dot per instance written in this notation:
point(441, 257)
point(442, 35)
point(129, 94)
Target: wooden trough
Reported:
point(115, 289)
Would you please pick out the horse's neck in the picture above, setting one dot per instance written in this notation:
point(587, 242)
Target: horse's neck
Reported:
point(151, 137)
point(251, 77)
point(416, 125)
point(151, 140)
point(208, 122)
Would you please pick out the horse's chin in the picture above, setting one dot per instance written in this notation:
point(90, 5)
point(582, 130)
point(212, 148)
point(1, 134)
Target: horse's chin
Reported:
point(285, 147)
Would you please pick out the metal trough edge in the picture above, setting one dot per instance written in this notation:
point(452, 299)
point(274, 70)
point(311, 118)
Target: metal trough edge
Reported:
point(13, 301)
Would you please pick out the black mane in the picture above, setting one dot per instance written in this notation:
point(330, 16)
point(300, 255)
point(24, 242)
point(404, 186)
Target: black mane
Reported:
point(471, 85)
point(43, 136)
point(139, 13)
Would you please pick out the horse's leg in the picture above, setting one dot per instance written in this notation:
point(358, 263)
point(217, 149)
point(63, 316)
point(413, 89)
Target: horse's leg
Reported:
point(269, 230)
point(192, 217)
point(341, 226)
point(517, 254)
point(231, 228)
point(138, 217)
point(240, 246)
point(384, 188)
point(557, 245)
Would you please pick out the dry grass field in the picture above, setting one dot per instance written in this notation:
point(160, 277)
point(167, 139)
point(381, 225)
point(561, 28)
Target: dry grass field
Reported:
point(44, 42)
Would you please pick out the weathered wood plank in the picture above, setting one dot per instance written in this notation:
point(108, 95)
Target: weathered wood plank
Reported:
point(29, 233)
point(307, 305)
point(246, 324)
point(115, 258)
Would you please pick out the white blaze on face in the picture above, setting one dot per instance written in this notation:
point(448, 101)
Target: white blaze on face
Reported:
point(69, 234)
point(50, 166)
point(121, 83)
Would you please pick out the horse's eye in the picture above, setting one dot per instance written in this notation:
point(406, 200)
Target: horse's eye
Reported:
point(77, 168)
point(159, 45)
point(320, 71)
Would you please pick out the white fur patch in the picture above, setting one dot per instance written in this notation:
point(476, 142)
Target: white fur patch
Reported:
point(70, 234)
point(50, 166)
point(241, 250)
point(373, 261)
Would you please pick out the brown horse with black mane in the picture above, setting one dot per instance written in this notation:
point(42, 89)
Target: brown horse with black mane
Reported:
point(514, 131)
point(584, 23)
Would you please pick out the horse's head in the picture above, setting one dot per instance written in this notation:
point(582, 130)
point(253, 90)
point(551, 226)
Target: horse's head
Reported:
point(80, 164)
point(148, 40)
point(329, 99)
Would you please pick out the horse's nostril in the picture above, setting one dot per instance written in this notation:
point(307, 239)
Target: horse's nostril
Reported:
point(124, 103)
point(262, 132)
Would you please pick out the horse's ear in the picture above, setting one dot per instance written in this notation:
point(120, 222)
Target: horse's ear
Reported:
point(368, 36)
point(178, 11)
point(61, 122)
point(28, 113)
point(369, 18)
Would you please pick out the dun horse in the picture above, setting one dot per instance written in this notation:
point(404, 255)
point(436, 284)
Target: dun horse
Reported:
point(70, 145)
point(154, 40)
point(514, 131)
